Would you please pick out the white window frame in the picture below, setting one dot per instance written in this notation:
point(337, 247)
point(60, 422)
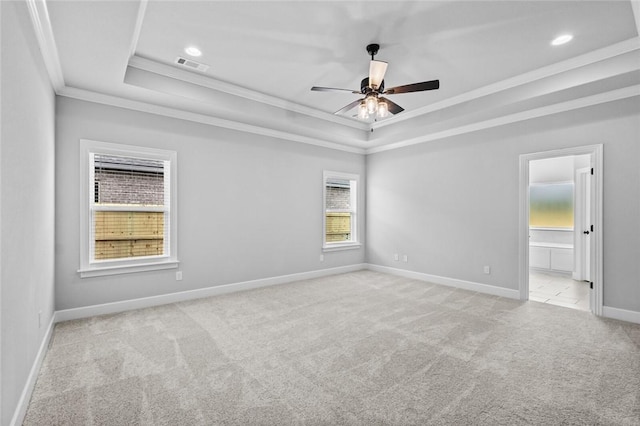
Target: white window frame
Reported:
point(169, 259)
point(354, 243)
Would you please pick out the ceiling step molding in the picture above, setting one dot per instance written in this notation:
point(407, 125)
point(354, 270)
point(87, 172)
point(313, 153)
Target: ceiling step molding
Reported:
point(232, 89)
point(600, 98)
point(104, 99)
point(635, 6)
point(577, 62)
point(222, 86)
point(142, 10)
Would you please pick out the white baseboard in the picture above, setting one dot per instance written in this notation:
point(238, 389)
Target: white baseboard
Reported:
point(450, 282)
point(25, 396)
point(621, 314)
point(146, 302)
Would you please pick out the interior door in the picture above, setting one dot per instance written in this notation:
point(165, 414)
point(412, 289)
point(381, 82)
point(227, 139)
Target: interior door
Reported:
point(586, 226)
point(584, 229)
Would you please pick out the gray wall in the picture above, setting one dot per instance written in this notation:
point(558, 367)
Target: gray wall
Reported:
point(26, 213)
point(452, 205)
point(250, 207)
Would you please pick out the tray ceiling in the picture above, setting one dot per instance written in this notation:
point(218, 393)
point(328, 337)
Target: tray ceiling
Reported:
point(264, 56)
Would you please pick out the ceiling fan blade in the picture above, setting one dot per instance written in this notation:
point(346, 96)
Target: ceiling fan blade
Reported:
point(348, 107)
point(333, 89)
point(377, 69)
point(415, 87)
point(394, 108)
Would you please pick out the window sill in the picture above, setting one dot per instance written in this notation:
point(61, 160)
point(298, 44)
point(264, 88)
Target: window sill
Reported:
point(127, 269)
point(341, 246)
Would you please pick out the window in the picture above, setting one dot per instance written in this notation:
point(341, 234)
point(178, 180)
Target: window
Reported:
point(128, 217)
point(551, 205)
point(340, 211)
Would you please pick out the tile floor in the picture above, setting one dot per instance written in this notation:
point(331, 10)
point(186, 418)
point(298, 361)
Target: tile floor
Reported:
point(557, 289)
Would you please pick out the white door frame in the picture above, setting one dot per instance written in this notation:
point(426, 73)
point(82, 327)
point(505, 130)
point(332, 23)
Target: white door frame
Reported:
point(596, 219)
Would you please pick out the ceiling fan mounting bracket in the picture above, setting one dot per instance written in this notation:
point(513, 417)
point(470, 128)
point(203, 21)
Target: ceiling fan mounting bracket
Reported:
point(372, 49)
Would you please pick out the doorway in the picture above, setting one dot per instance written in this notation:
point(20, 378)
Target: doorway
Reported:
point(561, 227)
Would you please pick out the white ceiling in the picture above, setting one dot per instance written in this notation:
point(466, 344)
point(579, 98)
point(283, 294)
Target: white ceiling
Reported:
point(493, 59)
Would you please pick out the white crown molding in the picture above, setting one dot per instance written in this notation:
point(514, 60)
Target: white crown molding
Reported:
point(635, 7)
point(44, 34)
point(614, 95)
point(100, 98)
point(233, 89)
point(142, 10)
point(586, 59)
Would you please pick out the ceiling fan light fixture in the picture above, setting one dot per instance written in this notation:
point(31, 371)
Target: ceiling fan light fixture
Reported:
point(383, 109)
point(362, 111)
point(377, 69)
point(371, 103)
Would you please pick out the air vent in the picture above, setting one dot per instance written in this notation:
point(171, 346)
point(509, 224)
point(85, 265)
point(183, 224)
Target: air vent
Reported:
point(188, 63)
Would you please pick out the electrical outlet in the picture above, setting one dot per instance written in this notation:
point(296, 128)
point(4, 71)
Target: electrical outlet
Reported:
point(405, 258)
point(322, 258)
point(396, 257)
point(487, 269)
point(178, 275)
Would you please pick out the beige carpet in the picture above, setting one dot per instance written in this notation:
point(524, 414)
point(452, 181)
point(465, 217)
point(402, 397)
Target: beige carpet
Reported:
point(357, 349)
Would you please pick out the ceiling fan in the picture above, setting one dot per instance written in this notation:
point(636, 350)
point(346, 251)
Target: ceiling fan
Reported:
point(372, 87)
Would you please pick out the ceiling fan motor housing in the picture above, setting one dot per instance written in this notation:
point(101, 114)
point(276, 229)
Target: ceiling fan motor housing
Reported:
point(364, 86)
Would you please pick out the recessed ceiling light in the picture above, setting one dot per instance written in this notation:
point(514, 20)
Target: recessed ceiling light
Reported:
point(562, 39)
point(193, 51)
